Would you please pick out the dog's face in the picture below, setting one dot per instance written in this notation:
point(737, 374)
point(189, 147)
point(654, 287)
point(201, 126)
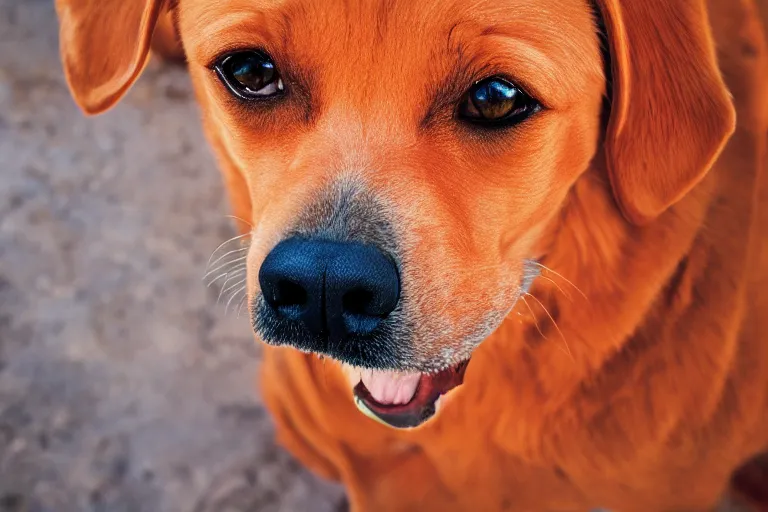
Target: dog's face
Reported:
point(402, 162)
point(442, 135)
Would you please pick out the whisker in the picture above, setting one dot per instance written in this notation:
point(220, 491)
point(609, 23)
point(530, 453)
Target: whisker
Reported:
point(561, 277)
point(557, 286)
point(227, 254)
point(235, 271)
point(553, 323)
point(535, 320)
point(224, 290)
point(235, 217)
point(242, 303)
point(225, 243)
point(224, 265)
point(237, 292)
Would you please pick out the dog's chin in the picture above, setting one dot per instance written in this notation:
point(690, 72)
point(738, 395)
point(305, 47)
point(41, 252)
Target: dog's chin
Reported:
point(402, 399)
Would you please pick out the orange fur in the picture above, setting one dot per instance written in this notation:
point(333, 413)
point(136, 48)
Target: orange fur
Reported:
point(165, 39)
point(636, 377)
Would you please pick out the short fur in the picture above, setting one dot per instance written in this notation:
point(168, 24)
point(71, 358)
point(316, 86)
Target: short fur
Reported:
point(634, 376)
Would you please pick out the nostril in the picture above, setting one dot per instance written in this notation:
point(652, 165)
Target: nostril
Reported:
point(359, 311)
point(289, 299)
point(364, 288)
point(288, 293)
point(357, 301)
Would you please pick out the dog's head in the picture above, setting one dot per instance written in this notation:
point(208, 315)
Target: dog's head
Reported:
point(404, 159)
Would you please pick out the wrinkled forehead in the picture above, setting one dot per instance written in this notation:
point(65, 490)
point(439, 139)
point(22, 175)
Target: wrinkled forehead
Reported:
point(542, 39)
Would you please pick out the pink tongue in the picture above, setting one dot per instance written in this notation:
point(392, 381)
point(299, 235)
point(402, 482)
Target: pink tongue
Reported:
point(390, 388)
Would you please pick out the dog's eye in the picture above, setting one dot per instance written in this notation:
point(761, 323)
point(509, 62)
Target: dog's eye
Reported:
point(496, 101)
point(250, 75)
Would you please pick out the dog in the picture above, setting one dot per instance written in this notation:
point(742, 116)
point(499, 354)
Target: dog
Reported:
point(503, 254)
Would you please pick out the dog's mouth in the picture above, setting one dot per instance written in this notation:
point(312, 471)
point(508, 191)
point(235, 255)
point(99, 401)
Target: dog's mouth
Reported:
point(405, 400)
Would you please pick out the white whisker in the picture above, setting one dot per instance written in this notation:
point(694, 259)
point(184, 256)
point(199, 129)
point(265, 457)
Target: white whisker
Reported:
point(227, 254)
point(243, 301)
point(234, 294)
point(235, 217)
point(225, 289)
point(225, 243)
point(224, 265)
point(234, 271)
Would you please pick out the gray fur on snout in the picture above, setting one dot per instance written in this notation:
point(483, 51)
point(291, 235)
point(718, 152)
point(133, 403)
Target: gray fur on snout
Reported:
point(347, 212)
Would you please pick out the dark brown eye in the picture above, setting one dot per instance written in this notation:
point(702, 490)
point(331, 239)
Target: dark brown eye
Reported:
point(250, 75)
point(496, 101)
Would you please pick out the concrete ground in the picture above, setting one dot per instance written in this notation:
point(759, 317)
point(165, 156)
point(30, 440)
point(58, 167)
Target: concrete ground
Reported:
point(123, 385)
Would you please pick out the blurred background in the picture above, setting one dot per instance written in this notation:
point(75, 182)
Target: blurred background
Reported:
point(123, 384)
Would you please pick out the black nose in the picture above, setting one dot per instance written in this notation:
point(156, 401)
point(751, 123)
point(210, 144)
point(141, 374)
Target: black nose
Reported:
point(335, 289)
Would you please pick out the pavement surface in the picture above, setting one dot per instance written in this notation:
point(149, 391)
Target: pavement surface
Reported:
point(123, 385)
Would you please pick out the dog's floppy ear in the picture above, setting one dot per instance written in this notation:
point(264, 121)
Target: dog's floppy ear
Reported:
point(671, 113)
point(104, 47)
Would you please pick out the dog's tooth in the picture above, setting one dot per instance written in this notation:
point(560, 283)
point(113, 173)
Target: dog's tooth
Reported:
point(365, 410)
point(438, 402)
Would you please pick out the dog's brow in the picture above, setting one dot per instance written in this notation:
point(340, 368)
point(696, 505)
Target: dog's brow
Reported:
point(465, 69)
point(286, 24)
point(456, 80)
point(450, 33)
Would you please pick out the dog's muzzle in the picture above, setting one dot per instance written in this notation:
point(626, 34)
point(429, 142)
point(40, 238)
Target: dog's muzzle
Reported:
point(338, 299)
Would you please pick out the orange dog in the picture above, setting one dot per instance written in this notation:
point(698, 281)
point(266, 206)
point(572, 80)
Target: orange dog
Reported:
point(549, 200)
